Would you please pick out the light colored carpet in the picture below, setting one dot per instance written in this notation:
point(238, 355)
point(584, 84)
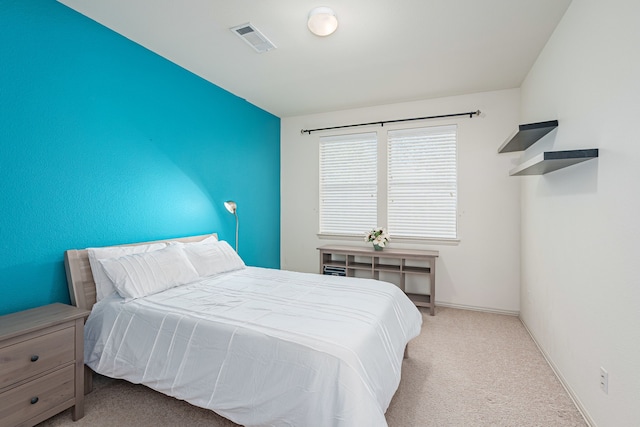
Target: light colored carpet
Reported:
point(465, 369)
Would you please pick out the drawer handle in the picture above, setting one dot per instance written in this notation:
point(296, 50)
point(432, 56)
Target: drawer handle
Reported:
point(35, 358)
point(34, 400)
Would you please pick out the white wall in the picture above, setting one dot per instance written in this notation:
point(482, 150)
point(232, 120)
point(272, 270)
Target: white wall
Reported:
point(580, 226)
point(482, 271)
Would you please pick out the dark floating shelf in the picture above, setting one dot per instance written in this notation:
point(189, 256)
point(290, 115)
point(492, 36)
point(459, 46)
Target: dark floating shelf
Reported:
point(547, 161)
point(550, 161)
point(526, 136)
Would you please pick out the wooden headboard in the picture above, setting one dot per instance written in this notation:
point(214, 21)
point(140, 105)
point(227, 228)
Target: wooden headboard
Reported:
point(82, 287)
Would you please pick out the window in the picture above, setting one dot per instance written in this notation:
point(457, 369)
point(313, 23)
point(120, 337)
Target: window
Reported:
point(422, 183)
point(417, 197)
point(348, 183)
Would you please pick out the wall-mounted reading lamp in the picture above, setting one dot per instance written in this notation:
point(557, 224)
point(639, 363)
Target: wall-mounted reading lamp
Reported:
point(232, 207)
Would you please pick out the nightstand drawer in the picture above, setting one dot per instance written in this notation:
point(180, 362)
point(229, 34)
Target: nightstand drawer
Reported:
point(36, 355)
point(28, 400)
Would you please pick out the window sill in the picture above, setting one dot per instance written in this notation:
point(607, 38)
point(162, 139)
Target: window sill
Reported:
point(406, 240)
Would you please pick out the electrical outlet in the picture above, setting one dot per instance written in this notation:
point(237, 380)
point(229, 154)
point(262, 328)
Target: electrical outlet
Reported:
point(604, 380)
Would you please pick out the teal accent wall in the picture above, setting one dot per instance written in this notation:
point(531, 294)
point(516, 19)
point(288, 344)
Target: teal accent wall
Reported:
point(103, 142)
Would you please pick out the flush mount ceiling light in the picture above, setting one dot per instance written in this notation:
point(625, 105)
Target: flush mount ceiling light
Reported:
point(322, 21)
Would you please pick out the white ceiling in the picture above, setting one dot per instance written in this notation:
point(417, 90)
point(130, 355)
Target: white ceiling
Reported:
point(383, 51)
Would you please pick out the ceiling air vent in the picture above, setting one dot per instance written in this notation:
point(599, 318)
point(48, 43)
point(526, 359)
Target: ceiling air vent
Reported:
point(253, 37)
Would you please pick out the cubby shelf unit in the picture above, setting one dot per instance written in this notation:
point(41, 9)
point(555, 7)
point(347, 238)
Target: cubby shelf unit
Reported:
point(346, 260)
point(547, 161)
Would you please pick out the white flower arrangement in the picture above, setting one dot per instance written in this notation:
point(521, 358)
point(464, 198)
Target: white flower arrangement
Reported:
point(378, 236)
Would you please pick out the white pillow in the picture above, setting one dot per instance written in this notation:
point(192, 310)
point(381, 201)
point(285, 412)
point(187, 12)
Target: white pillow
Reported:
point(211, 240)
point(139, 275)
point(212, 257)
point(104, 285)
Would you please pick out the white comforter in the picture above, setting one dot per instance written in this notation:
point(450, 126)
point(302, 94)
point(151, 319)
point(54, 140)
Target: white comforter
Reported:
point(263, 347)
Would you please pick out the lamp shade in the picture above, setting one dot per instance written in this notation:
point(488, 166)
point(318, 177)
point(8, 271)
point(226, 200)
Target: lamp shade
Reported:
point(322, 21)
point(231, 206)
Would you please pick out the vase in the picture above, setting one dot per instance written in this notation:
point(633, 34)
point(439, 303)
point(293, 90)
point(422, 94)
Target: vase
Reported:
point(378, 247)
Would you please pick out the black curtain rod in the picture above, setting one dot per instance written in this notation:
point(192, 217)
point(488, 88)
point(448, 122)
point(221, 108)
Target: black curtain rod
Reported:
point(382, 123)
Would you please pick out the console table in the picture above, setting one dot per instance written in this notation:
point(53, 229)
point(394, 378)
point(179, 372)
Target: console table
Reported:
point(335, 259)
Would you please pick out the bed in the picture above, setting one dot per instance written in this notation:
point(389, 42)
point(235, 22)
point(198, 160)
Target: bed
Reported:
point(261, 347)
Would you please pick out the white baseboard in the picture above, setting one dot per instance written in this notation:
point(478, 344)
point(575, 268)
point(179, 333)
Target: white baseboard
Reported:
point(576, 401)
point(474, 308)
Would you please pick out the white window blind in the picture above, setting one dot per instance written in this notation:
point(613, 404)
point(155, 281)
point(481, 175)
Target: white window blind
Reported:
point(348, 183)
point(422, 182)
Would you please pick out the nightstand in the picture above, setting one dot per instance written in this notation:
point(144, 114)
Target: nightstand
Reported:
point(41, 364)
